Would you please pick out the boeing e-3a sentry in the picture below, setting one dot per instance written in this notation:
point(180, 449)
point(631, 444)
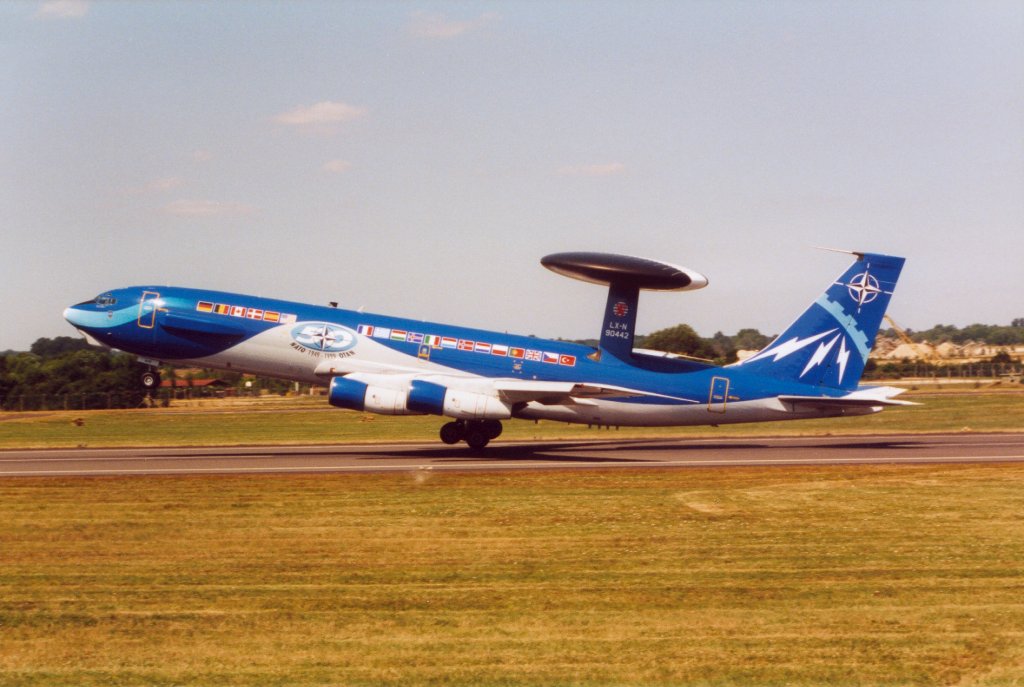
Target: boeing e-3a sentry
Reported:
point(477, 378)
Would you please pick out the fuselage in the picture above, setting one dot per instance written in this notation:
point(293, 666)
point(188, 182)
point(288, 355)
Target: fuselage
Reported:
point(316, 344)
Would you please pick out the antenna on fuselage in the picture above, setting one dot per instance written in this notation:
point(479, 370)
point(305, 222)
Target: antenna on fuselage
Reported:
point(625, 277)
point(858, 254)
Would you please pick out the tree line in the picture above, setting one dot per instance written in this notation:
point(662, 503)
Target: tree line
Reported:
point(69, 368)
point(992, 334)
point(722, 348)
point(88, 377)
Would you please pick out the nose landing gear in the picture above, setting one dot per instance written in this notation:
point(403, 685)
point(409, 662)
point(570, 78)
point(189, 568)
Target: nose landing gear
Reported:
point(150, 379)
point(476, 433)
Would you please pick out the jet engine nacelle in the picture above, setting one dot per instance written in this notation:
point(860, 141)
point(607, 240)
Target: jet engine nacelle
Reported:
point(437, 399)
point(419, 397)
point(356, 395)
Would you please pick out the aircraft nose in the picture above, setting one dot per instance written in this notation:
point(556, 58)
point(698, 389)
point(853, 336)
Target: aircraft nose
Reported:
point(84, 316)
point(89, 323)
point(75, 316)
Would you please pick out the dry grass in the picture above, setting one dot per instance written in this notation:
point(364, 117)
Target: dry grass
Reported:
point(862, 576)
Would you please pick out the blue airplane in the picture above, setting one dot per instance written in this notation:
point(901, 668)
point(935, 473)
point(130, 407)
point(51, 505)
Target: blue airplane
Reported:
point(399, 366)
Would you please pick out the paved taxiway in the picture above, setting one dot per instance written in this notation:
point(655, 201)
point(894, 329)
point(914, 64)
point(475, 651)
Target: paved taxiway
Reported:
point(676, 453)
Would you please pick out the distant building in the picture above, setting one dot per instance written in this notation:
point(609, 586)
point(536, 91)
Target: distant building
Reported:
point(888, 348)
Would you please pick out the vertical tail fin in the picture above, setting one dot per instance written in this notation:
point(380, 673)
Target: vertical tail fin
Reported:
point(828, 345)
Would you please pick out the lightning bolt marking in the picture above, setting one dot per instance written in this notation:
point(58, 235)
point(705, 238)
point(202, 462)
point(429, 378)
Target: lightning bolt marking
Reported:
point(819, 355)
point(789, 347)
point(842, 357)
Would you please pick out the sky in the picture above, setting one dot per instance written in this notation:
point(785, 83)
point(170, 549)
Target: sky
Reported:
point(418, 159)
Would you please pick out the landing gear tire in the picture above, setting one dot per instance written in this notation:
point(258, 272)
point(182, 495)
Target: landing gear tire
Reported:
point(150, 379)
point(453, 432)
point(476, 433)
point(492, 428)
point(476, 437)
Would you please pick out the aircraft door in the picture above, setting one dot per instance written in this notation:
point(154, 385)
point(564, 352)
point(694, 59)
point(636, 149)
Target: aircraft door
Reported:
point(147, 309)
point(718, 394)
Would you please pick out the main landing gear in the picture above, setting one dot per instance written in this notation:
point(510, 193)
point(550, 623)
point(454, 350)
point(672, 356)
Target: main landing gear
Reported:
point(476, 433)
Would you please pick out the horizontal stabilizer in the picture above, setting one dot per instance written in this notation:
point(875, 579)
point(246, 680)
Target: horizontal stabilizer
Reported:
point(865, 398)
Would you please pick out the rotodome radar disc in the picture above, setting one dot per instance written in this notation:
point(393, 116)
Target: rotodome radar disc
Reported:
point(624, 270)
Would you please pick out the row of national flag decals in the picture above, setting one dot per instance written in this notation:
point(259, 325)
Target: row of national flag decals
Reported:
point(432, 340)
point(247, 313)
point(466, 345)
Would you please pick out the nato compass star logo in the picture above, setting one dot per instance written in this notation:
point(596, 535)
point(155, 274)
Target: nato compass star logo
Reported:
point(863, 289)
point(321, 336)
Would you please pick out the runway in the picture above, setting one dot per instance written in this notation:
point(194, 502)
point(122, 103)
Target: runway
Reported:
point(630, 454)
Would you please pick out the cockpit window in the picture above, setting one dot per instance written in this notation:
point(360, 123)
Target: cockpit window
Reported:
point(105, 300)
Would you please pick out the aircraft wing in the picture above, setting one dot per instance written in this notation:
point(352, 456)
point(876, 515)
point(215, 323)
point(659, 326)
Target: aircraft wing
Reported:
point(561, 393)
point(509, 391)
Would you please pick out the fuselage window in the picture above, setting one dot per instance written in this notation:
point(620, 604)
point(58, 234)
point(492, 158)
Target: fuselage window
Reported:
point(105, 300)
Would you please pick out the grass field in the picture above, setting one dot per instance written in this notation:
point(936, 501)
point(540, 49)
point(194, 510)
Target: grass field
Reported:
point(874, 575)
point(302, 423)
point(868, 575)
